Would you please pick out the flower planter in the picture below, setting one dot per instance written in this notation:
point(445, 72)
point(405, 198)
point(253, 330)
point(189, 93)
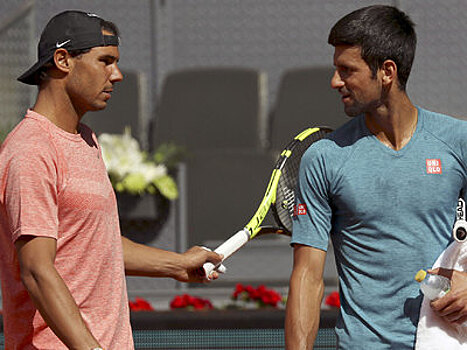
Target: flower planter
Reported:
point(142, 216)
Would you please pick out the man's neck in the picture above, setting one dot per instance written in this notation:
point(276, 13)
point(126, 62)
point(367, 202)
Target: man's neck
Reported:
point(394, 122)
point(55, 105)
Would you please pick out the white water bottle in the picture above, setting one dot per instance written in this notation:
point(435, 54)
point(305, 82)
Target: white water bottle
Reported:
point(433, 286)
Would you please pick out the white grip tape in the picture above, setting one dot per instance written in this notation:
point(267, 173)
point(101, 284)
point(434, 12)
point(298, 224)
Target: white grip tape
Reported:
point(227, 248)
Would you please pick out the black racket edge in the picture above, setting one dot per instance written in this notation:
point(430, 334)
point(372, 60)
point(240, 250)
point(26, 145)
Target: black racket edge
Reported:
point(281, 161)
point(281, 229)
point(269, 229)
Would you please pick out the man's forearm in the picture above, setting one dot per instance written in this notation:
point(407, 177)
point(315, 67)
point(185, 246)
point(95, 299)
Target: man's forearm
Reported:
point(141, 260)
point(58, 308)
point(49, 292)
point(305, 295)
point(303, 312)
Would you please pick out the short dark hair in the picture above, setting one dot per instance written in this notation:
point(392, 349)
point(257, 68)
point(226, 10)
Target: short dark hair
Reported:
point(382, 32)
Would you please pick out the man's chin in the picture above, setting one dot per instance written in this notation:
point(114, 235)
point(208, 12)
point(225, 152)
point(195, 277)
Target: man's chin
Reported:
point(352, 112)
point(98, 106)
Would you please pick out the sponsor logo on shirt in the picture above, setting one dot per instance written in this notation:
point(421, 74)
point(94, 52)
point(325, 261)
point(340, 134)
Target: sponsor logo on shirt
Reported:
point(433, 166)
point(299, 209)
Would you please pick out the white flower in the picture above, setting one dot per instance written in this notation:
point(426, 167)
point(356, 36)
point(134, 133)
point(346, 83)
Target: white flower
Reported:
point(151, 171)
point(128, 166)
point(121, 153)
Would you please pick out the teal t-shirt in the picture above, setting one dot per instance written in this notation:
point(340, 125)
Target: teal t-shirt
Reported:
point(388, 213)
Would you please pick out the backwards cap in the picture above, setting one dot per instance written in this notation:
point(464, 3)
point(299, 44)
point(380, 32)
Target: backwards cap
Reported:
point(71, 30)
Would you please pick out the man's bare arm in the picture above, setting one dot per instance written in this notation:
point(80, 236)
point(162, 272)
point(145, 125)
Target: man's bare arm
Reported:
point(142, 260)
point(50, 294)
point(305, 296)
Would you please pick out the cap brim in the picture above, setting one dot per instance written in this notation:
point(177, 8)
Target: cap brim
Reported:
point(30, 77)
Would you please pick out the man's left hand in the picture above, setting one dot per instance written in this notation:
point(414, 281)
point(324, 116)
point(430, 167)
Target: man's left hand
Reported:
point(453, 306)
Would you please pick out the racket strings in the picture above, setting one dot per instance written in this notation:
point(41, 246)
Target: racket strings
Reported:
point(285, 195)
point(289, 200)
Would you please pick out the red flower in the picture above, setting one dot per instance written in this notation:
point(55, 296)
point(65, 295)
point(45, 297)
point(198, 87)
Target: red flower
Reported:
point(261, 295)
point(252, 292)
point(178, 302)
point(271, 298)
point(190, 302)
point(140, 305)
point(238, 290)
point(200, 304)
point(333, 300)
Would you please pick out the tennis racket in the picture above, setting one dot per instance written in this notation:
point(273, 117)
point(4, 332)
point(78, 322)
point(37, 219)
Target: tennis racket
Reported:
point(459, 231)
point(280, 195)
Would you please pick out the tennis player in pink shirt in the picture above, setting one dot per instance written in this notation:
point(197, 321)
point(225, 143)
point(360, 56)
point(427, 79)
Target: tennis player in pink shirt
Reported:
point(62, 257)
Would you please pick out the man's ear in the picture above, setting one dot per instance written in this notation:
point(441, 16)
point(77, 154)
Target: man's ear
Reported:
point(389, 72)
point(62, 60)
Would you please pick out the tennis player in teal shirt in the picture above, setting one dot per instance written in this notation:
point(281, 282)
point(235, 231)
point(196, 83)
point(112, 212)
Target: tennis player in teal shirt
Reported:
point(383, 188)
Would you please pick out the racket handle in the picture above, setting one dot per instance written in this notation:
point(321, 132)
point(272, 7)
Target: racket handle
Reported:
point(227, 248)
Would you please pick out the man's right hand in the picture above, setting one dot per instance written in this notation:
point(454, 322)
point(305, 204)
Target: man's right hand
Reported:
point(194, 259)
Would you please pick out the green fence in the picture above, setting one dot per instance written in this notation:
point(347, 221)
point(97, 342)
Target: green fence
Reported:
point(216, 330)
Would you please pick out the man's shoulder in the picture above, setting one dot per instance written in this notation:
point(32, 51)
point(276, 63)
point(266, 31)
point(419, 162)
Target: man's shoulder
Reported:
point(336, 148)
point(449, 130)
point(28, 138)
point(439, 122)
point(342, 138)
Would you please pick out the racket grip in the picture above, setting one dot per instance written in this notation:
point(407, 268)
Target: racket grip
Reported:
point(228, 248)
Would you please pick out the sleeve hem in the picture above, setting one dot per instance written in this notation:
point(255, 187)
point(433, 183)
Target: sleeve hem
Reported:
point(35, 233)
point(320, 246)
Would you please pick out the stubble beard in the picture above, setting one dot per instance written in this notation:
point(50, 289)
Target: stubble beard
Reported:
point(358, 108)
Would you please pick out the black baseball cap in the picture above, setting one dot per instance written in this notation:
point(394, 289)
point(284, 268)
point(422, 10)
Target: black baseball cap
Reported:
point(72, 30)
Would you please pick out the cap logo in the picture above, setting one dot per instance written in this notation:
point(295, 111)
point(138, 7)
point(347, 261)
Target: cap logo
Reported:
point(92, 15)
point(59, 45)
